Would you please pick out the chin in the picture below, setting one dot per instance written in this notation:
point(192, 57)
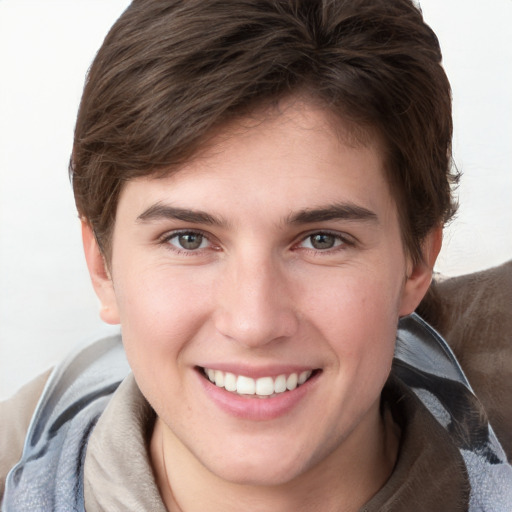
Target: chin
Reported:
point(261, 467)
point(248, 474)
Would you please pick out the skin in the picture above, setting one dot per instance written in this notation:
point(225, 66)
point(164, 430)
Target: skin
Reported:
point(259, 295)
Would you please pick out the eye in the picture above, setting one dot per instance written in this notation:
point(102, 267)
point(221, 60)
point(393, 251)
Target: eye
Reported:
point(322, 241)
point(188, 240)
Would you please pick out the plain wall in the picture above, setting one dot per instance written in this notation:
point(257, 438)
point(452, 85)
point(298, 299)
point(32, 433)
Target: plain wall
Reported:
point(47, 306)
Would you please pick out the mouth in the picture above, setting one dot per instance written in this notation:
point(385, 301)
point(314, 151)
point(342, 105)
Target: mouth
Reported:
point(262, 387)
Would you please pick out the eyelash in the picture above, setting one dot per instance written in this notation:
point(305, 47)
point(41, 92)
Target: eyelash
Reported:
point(166, 240)
point(343, 242)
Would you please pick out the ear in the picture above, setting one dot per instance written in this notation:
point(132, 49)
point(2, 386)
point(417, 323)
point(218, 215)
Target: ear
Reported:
point(419, 275)
point(100, 275)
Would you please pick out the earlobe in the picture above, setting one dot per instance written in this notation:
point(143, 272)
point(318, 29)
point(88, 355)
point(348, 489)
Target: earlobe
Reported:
point(420, 274)
point(100, 275)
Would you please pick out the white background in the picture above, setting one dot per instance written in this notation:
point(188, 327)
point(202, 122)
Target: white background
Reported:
point(46, 303)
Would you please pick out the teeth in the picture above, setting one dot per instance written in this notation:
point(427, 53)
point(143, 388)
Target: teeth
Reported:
point(219, 378)
point(244, 385)
point(230, 382)
point(280, 384)
point(263, 387)
point(291, 382)
point(303, 377)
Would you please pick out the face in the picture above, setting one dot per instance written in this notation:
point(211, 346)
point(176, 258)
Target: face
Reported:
point(258, 289)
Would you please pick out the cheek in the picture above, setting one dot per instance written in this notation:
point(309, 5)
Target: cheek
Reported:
point(358, 317)
point(160, 312)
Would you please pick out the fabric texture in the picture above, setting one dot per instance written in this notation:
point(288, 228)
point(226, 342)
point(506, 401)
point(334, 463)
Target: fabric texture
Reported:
point(15, 416)
point(117, 478)
point(426, 364)
point(474, 315)
point(449, 458)
point(49, 476)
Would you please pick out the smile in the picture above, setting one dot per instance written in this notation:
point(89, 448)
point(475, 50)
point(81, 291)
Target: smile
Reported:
point(263, 387)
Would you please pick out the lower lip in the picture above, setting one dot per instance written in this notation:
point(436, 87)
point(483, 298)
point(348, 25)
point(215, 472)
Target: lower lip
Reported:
point(254, 408)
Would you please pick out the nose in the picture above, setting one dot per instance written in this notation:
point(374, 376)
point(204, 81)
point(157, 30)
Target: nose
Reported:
point(254, 303)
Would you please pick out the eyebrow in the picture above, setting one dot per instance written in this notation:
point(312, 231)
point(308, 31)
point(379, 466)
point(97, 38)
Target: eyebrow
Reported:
point(339, 211)
point(163, 211)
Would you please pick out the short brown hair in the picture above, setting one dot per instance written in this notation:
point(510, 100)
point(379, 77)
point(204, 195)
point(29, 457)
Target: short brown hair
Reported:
point(171, 71)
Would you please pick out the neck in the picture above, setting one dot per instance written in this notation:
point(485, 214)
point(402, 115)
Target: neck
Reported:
point(343, 481)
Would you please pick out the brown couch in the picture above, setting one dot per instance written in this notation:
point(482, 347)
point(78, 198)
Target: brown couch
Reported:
point(474, 314)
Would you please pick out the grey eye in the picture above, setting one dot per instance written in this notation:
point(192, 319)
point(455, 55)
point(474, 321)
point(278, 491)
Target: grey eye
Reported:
point(189, 241)
point(323, 241)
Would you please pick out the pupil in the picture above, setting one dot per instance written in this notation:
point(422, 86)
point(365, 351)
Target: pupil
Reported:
point(190, 240)
point(322, 241)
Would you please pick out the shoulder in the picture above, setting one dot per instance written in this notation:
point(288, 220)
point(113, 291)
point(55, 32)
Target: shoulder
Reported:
point(15, 416)
point(474, 314)
point(78, 390)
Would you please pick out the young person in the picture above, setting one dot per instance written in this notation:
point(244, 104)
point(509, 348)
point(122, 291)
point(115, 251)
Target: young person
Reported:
point(262, 186)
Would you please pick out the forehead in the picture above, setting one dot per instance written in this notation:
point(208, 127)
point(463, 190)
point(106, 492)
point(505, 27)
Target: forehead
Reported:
point(294, 156)
point(296, 117)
